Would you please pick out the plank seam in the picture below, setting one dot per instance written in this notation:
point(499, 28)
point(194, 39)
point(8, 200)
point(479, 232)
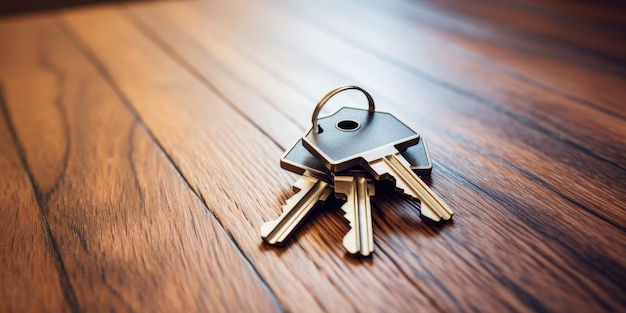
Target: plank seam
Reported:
point(114, 86)
point(195, 73)
point(579, 59)
point(456, 89)
point(549, 41)
point(176, 56)
point(617, 281)
point(480, 150)
point(532, 178)
point(532, 81)
point(567, 16)
point(181, 59)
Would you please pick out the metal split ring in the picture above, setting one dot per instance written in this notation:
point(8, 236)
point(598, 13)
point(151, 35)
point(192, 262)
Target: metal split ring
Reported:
point(320, 104)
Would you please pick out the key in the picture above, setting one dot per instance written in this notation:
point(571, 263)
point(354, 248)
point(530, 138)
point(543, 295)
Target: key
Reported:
point(395, 167)
point(310, 192)
point(312, 189)
point(350, 186)
point(298, 159)
point(357, 191)
point(373, 140)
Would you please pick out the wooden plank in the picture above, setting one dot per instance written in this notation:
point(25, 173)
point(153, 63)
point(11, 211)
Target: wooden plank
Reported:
point(500, 239)
point(606, 13)
point(430, 53)
point(235, 169)
point(208, 46)
point(30, 280)
point(492, 133)
point(563, 71)
point(406, 86)
point(130, 232)
point(516, 21)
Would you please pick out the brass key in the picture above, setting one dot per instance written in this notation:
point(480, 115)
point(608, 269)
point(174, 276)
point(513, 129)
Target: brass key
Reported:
point(356, 191)
point(316, 185)
point(310, 192)
point(373, 140)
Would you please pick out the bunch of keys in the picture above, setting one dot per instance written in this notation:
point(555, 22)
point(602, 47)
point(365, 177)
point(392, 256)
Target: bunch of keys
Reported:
point(344, 154)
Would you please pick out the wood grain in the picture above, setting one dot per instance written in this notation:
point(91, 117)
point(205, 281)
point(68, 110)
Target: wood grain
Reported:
point(30, 277)
point(191, 52)
point(493, 131)
point(563, 71)
point(130, 234)
point(473, 113)
point(606, 13)
point(555, 262)
point(180, 107)
point(151, 134)
point(518, 20)
point(431, 56)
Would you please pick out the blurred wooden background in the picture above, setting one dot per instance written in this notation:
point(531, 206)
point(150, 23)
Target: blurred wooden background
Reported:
point(140, 146)
point(8, 8)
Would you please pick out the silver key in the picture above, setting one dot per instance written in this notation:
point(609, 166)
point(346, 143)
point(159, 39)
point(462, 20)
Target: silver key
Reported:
point(357, 192)
point(310, 192)
point(373, 140)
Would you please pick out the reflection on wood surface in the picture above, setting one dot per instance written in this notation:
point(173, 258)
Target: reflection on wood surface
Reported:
point(140, 148)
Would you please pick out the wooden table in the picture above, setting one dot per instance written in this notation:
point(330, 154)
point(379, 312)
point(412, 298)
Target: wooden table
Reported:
point(140, 150)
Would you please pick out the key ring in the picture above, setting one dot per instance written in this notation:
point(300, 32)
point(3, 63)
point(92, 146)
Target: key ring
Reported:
point(320, 104)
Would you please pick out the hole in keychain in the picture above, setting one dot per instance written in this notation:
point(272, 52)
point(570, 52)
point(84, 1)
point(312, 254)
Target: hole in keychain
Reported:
point(348, 125)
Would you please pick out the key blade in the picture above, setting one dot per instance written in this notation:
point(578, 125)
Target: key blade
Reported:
point(357, 192)
point(310, 192)
point(397, 167)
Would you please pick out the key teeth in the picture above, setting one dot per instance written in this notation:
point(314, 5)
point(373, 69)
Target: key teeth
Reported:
point(268, 227)
point(425, 210)
point(289, 203)
point(397, 185)
point(303, 187)
point(347, 215)
point(382, 171)
point(347, 188)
